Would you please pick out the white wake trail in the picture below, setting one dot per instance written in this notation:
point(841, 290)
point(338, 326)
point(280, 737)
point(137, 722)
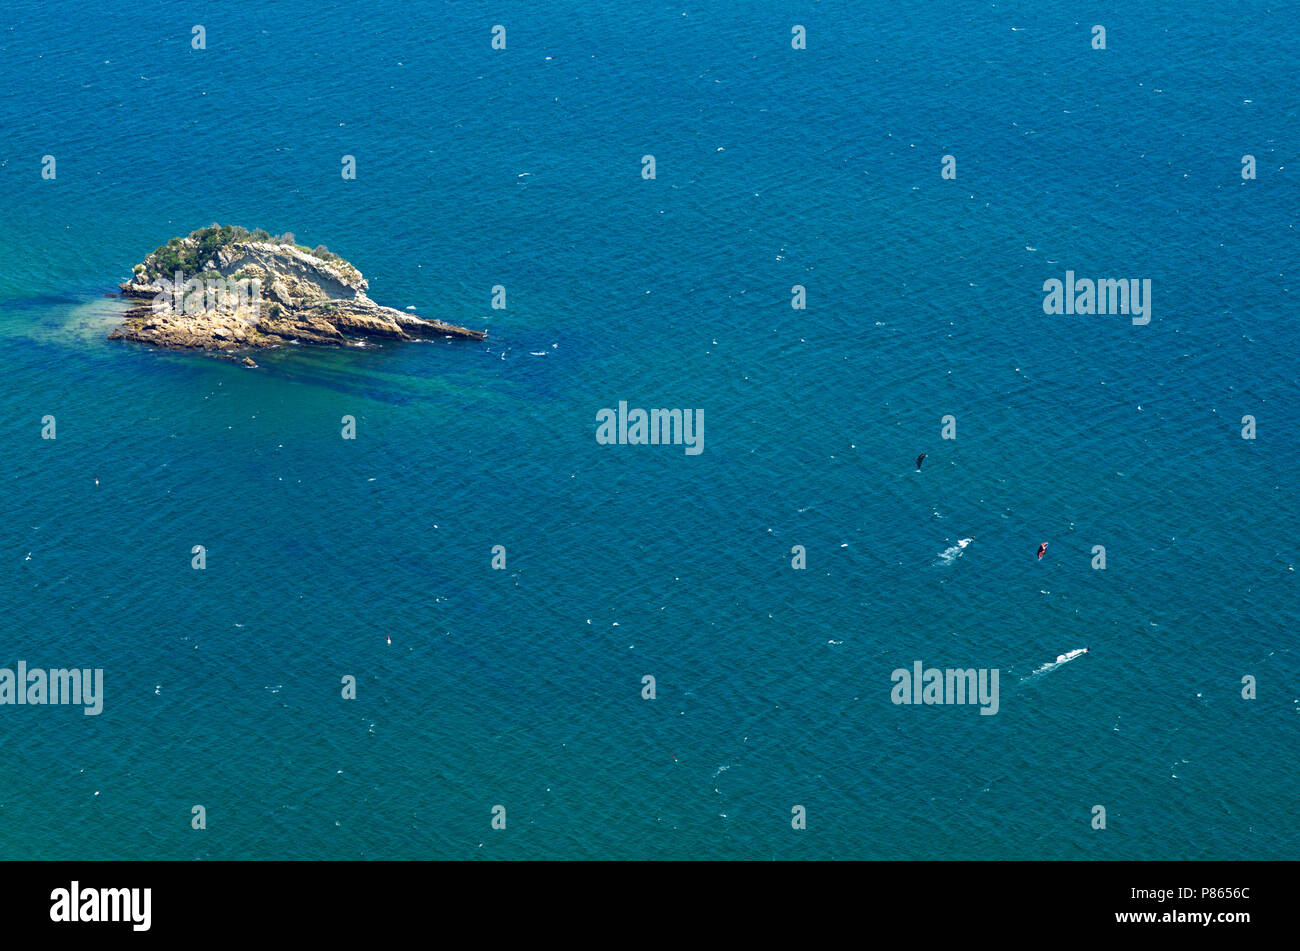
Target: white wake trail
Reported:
point(950, 555)
point(1061, 661)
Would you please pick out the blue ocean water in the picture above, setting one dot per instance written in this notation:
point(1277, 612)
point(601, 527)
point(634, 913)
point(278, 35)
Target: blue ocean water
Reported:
point(522, 687)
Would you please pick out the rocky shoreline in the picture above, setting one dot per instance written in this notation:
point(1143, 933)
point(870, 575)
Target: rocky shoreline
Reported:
point(226, 288)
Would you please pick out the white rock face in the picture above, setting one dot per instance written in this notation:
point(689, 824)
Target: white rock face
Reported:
point(250, 293)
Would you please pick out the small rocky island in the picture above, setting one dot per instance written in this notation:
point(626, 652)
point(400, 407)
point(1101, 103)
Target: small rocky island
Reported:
point(227, 288)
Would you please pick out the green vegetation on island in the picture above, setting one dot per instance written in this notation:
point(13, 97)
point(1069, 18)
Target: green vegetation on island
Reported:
point(191, 254)
point(241, 289)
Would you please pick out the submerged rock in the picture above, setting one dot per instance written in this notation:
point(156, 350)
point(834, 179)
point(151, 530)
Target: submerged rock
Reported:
point(231, 289)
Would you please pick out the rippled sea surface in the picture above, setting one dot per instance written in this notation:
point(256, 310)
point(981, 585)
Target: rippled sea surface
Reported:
point(522, 687)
